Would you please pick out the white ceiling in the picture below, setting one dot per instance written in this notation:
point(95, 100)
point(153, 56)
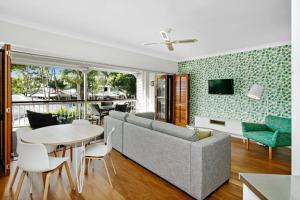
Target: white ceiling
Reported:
point(219, 25)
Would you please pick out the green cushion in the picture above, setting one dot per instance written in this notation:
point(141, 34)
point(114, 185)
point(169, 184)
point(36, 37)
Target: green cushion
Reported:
point(263, 137)
point(246, 126)
point(281, 124)
point(202, 134)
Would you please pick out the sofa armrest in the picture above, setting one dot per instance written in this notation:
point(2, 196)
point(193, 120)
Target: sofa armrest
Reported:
point(281, 139)
point(253, 127)
point(210, 164)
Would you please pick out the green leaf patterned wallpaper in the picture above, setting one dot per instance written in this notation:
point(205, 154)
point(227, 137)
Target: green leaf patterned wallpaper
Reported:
point(270, 67)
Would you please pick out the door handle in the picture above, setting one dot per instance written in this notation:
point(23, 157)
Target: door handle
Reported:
point(7, 110)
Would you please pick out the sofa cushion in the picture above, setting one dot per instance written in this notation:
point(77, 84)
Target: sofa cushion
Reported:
point(118, 115)
point(177, 131)
point(139, 121)
point(280, 124)
point(263, 137)
point(148, 115)
point(201, 134)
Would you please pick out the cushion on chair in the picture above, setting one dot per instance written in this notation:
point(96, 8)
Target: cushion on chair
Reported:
point(281, 124)
point(39, 120)
point(263, 137)
point(118, 115)
point(107, 103)
point(121, 107)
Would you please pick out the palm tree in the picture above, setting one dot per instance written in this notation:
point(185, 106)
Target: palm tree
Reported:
point(74, 78)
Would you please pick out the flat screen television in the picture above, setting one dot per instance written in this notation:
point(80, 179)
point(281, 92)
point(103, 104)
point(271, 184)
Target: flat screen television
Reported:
point(221, 86)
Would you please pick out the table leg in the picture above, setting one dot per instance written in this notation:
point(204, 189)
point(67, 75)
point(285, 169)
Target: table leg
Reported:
point(80, 170)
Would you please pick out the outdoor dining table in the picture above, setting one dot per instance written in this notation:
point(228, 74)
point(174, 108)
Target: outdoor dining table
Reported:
point(66, 134)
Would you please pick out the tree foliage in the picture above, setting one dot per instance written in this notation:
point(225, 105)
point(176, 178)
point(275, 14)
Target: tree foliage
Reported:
point(96, 79)
point(58, 84)
point(75, 79)
point(29, 80)
point(123, 82)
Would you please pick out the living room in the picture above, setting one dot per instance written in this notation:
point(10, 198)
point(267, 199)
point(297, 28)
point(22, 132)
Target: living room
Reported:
point(157, 100)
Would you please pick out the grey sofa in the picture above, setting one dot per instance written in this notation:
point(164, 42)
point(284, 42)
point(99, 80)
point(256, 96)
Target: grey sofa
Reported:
point(196, 167)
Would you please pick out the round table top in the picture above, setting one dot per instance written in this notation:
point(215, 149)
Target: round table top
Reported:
point(62, 134)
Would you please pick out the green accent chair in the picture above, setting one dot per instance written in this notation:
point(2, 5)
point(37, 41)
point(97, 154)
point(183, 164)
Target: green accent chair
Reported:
point(276, 132)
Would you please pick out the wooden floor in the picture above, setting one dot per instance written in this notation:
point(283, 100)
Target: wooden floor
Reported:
point(134, 182)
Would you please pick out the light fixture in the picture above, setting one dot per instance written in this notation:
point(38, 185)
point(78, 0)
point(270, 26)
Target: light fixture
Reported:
point(255, 92)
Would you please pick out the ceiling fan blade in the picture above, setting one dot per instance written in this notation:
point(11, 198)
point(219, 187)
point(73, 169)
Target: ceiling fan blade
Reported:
point(152, 43)
point(170, 47)
point(184, 41)
point(165, 35)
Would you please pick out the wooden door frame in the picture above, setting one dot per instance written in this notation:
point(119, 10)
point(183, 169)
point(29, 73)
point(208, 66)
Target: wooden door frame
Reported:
point(169, 99)
point(6, 69)
point(2, 114)
point(174, 98)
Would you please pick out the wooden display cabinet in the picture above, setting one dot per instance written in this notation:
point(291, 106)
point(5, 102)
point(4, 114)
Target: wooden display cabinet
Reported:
point(164, 98)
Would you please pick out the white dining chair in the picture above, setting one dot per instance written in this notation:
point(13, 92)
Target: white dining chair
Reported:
point(85, 122)
point(50, 148)
point(19, 133)
point(99, 151)
point(33, 158)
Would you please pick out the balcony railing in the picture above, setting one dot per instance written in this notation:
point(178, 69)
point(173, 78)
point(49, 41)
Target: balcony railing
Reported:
point(65, 110)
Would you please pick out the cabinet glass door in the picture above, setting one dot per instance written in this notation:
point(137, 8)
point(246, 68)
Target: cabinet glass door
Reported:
point(161, 98)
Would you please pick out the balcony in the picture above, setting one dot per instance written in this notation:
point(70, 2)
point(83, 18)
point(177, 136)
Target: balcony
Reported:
point(66, 111)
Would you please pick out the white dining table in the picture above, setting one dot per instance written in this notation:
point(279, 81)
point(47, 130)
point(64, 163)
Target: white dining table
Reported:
point(66, 134)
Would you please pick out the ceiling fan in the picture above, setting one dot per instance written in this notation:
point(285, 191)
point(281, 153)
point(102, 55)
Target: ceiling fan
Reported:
point(165, 34)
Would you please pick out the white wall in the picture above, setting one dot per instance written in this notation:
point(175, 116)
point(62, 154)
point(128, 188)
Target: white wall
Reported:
point(296, 87)
point(140, 93)
point(145, 93)
point(67, 47)
point(151, 93)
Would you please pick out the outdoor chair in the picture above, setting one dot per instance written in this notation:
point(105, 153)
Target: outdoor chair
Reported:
point(96, 113)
